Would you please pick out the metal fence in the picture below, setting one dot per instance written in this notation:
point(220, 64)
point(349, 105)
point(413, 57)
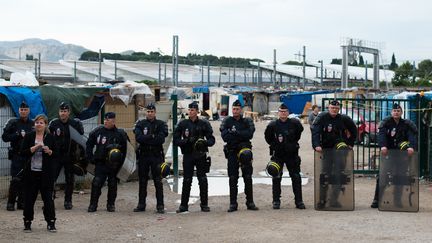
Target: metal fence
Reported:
point(367, 114)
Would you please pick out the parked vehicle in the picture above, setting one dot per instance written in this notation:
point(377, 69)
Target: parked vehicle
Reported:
point(367, 125)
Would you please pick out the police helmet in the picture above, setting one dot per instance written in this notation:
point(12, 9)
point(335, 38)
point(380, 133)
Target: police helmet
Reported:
point(404, 145)
point(115, 157)
point(274, 168)
point(200, 146)
point(341, 146)
point(163, 169)
point(245, 156)
point(79, 169)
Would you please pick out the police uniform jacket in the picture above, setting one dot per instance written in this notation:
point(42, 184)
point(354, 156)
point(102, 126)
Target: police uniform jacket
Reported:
point(188, 132)
point(61, 134)
point(283, 137)
point(15, 131)
point(328, 131)
point(150, 134)
point(236, 133)
point(390, 133)
point(105, 139)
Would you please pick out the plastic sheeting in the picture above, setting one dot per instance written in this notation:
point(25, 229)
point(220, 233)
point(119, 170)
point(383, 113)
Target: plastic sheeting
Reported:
point(127, 90)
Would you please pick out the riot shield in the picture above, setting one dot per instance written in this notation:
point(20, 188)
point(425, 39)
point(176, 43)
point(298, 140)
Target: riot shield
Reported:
point(80, 163)
point(128, 166)
point(399, 182)
point(334, 180)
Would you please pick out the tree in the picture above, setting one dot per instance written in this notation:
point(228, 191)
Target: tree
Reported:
point(393, 64)
point(425, 69)
point(336, 61)
point(403, 74)
point(293, 63)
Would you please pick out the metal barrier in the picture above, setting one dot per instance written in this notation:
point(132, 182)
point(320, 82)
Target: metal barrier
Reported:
point(367, 115)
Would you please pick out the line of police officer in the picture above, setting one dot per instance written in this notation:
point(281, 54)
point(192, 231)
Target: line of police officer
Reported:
point(107, 149)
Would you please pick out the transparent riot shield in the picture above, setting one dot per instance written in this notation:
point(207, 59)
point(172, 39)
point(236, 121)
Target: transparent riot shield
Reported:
point(399, 182)
point(334, 180)
point(128, 166)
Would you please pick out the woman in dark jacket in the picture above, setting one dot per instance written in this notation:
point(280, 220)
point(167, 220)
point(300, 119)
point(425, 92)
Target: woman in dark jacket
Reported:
point(38, 176)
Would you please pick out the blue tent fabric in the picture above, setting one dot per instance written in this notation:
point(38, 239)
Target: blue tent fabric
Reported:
point(95, 106)
point(200, 89)
point(16, 95)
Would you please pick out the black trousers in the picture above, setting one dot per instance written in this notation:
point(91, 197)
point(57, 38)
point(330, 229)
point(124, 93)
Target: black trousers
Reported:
point(190, 161)
point(66, 163)
point(233, 174)
point(147, 163)
point(103, 173)
point(293, 165)
point(16, 184)
point(34, 183)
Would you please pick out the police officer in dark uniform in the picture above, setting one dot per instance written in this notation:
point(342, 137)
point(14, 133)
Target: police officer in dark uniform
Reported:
point(394, 130)
point(194, 136)
point(64, 148)
point(14, 132)
point(109, 156)
point(330, 129)
point(150, 134)
point(237, 132)
point(283, 135)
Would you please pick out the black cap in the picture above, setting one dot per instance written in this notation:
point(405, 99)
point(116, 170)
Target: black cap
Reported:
point(193, 105)
point(64, 106)
point(335, 102)
point(23, 105)
point(110, 115)
point(396, 106)
point(151, 106)
point(283, 107)
point(236, 103)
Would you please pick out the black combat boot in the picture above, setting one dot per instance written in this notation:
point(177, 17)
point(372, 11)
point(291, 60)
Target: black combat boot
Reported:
point(249, 193)
point(203, 185)
point(233, 181)
point(142, 195)
point(94, 198)
point(276, 189)
point(187, 183)
point(51, 226)
point(297, 190)
point(160, 208)
point(27, 226)
point(376, 195)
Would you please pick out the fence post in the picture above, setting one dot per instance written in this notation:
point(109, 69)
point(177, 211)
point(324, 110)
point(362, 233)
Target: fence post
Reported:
point(174, 148)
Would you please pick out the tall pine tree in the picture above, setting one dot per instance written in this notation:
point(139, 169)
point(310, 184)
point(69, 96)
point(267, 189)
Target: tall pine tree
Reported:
point(393, 64)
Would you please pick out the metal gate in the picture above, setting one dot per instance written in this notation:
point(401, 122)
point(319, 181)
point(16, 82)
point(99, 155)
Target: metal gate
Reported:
point(367, 115)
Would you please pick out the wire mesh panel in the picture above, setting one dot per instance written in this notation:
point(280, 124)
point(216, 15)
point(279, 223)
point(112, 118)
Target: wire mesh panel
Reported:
point(6, 113)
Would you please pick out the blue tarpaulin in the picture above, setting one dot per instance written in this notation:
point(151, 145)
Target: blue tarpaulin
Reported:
point(297, 101)
point(200, 89)
point(16, 95)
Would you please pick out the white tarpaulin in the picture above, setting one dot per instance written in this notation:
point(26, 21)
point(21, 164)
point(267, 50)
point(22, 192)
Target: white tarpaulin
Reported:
point(20, 79)
point(127, 90)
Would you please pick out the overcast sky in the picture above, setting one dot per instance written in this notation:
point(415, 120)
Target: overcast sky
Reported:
point(238, 28)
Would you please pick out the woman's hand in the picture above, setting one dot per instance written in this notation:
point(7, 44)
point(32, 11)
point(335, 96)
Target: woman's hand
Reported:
point(36, 147)
point(47, 150)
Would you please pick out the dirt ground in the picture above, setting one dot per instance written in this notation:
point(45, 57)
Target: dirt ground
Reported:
point(364, 224)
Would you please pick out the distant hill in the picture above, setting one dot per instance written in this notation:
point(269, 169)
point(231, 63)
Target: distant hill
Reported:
point(50, 49)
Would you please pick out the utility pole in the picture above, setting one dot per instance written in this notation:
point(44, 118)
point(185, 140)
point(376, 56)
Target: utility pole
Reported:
point(100, 66)
point(208, 72)
point(304, 64)
point(175, 60)
point(115, 69)
point(75, 72)
point(39, 68)
point(220, 75)
point(159, 73)
point(274, 68)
